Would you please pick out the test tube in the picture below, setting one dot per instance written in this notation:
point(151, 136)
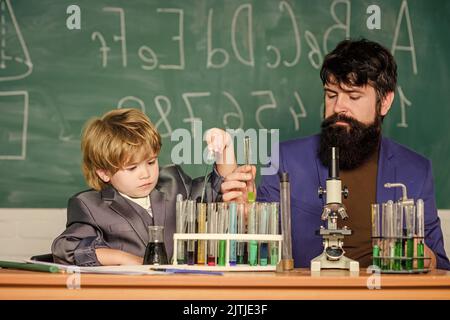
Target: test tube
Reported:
point(263, 228)
point(247, 157)
point(410, 223)
point(190, 207)
point(201, 228)
point(376, 234)
point(398, 219)
point(240, 230)
point(273, 228)
point(232, 229)
point(388, 234)
point(209, 161)
point(223, 226)
point(212, 228)
point(247, 150)
point(253, 244)
point(181, 227)
point(285, 208)
point(420, 231)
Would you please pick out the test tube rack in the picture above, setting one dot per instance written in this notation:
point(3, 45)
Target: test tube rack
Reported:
point(398, 234)
point(227, 237)
point(398, 263)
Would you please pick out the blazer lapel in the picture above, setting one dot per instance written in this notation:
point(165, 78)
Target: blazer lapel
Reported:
point(386, 173)
point(158, 203)
point(122, 208)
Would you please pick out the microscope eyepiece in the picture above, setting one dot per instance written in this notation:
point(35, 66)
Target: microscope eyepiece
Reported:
point(284, 177)
point(333, 170)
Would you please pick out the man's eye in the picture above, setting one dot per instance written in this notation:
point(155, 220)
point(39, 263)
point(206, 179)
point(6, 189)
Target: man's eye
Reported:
point(331, 96)
point(355, 97)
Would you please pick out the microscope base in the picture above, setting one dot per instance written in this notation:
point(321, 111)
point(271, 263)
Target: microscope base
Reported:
point(322, 262)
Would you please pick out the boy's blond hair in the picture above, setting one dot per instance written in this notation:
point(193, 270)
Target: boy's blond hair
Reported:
point(119, 137)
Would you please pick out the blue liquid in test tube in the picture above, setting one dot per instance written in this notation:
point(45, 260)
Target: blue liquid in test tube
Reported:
point(232, 229)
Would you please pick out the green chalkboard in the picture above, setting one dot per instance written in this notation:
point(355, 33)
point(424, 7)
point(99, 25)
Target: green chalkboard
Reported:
point(236, 64)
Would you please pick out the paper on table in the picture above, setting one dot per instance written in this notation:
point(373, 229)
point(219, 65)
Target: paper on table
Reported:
point(127, 270)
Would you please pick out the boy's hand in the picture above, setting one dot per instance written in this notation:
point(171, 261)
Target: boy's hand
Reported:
point(238, 183)
point(113, 257)
point(218, 140)
point(220, 146)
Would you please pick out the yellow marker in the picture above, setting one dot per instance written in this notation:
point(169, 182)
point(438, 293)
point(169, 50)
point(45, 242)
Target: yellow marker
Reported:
point(201, 224)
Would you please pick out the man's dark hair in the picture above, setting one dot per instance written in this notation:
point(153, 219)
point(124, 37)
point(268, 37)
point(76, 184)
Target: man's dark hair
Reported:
point(358, 63)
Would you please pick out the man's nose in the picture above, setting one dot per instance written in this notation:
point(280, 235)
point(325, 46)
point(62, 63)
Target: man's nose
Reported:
point(340, 105)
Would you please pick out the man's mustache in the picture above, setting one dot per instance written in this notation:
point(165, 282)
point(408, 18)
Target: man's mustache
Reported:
point(331, 120)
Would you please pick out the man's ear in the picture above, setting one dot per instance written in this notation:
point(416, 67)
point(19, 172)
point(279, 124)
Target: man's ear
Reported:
point(386, 103)
point(103, 175)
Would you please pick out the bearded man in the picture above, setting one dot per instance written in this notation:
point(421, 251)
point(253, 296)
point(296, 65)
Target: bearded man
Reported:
point(359, 80)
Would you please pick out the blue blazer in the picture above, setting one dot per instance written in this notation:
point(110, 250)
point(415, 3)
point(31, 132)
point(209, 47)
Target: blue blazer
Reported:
point(396, 163)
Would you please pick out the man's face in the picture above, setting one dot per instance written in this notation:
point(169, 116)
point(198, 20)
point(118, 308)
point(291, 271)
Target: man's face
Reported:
point(359, 103)
point(137, 179)
point(352, 123)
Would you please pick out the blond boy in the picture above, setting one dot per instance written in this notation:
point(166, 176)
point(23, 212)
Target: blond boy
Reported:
point(108, 224)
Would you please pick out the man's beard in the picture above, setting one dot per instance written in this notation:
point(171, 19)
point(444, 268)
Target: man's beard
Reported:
point(356, 142)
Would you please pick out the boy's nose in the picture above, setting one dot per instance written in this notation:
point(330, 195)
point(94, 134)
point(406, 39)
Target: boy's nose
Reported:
point(145, 172)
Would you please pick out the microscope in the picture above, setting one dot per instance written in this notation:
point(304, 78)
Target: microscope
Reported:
point(332, 256)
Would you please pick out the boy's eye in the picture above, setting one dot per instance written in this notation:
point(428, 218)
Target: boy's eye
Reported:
point(131, 168)
point(151, 162)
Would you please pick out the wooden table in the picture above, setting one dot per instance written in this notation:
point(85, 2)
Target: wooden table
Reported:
point(298, 284)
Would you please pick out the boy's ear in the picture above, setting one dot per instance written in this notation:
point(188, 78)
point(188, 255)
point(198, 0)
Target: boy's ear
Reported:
point(103, 175)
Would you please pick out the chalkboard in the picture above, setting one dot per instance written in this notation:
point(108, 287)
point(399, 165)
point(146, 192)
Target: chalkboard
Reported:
point(235, 64)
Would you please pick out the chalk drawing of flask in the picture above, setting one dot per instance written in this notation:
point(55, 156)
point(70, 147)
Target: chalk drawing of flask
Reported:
point(15, 64)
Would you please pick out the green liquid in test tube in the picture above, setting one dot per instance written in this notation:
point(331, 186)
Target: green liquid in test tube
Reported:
point(389, 235)
point(398, 218)
point(232, 229)
point(263, 228)
point(383, 244)
point(241, 230)
point(253, 244)
point(273, 226)
point(375, 255)
point(223, 226)
point(420, 230)
point(410, 222)
point(376, 234)
point(420, 255)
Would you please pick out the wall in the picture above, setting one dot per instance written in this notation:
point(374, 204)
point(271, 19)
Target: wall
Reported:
point(237, 64)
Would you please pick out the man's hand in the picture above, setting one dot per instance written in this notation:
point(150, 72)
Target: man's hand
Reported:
point(238, 184)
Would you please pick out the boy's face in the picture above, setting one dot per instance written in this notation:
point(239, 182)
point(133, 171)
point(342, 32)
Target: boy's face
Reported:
point(136, 180)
